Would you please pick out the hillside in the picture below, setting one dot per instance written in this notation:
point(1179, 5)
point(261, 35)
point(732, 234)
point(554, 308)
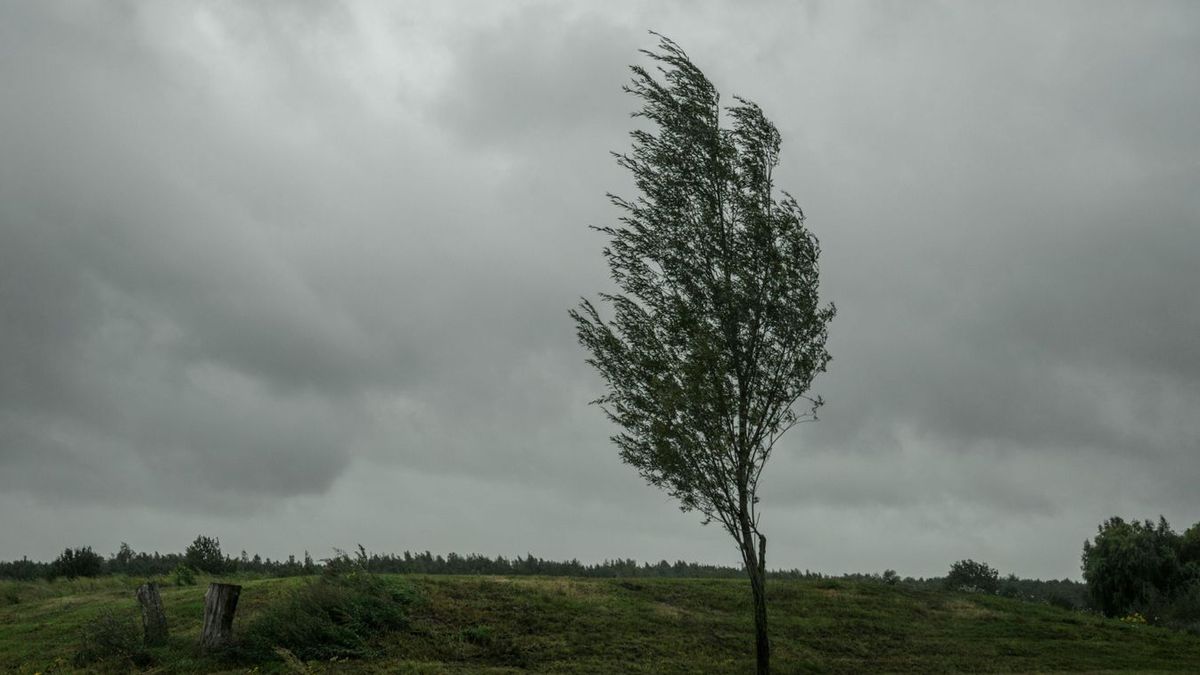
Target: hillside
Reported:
point(465, 624)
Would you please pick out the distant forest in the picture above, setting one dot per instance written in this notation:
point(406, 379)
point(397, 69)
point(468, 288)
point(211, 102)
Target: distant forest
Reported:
point(204, 555)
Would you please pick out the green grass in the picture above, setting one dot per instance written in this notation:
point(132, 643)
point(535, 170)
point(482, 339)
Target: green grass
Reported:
point(547, 624)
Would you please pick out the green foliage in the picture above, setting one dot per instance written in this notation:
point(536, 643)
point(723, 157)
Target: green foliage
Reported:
point(1145, 568)
point(1132, 566)
point(340, 616)
point(717, 331)
point(113, 640)
point(183, 575)
point(205, 555)
point(1184, 609)
point(344, 563)
point(968, 575)
point(76, 562)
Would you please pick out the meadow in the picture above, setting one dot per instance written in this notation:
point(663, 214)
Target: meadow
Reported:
point(498, 624)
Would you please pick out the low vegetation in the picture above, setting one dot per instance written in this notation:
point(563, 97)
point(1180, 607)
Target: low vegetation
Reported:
point(495, 624)
point(1140, 610)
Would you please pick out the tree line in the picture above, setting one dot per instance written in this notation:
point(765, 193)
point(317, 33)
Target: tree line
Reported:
point(205, 555)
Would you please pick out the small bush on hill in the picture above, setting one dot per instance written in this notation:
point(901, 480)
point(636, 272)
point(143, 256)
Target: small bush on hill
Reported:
point(973, 576)
point(336, 615)
point(183, 575)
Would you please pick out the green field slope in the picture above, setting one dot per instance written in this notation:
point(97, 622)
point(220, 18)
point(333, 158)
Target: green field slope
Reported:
point(546, 624)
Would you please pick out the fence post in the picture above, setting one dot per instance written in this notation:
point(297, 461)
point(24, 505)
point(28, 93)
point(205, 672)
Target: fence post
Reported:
point(154, 619)
point(220, 603)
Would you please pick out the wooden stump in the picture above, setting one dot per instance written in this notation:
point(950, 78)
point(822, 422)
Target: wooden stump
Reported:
point(220, 602)
point(154, 619)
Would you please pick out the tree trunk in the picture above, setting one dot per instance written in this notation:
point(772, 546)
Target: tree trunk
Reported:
point(154, 619)
point(758, 585)
point(756, 568)
point(220, 603)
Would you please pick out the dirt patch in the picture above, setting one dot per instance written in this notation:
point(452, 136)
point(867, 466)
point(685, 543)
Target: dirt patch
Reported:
point(570, 588)
point(669, 611)
point(965, 609)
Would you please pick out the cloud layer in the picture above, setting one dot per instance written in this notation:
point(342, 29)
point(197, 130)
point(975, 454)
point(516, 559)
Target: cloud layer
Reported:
point(298, 275)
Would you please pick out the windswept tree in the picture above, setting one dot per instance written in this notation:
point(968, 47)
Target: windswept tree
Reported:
point(717, 331)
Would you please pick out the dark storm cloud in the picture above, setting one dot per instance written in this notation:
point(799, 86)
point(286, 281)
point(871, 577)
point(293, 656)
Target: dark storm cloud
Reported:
point(153, 330)
point(310, 263)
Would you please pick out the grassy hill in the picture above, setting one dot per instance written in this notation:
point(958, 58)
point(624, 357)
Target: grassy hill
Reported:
point(462, 624)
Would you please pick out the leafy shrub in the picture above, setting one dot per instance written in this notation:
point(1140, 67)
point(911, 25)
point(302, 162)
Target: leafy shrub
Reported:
point(973, 576)
point(111, 639)
point(332, 616)
point(343, 563)
point(205, 555)
point(890, 577)
point(183, 575)
point(77, 562)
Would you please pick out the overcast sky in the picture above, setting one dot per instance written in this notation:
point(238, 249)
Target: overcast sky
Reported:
point(296, 275)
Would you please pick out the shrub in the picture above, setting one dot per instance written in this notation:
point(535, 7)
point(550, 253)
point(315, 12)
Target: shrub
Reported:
point(183, 575)
point(973, 576)
point(76, 562)
point(890, 577)
point(111, 639)
point(343, 563)
point(332, 616)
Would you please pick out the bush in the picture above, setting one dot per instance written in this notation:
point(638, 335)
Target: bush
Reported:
point(973, 576)
point(76, 562)
point(111, 639)
point(183, 575)
point(332, 616)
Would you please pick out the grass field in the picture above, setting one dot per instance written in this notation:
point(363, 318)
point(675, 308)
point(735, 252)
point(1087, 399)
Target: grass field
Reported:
point(464, 624)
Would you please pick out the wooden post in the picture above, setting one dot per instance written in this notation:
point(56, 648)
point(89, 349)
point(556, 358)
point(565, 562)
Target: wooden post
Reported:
point(154, 619)
point(220, 602)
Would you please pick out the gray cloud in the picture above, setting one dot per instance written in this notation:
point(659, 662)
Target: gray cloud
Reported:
point(274, 271)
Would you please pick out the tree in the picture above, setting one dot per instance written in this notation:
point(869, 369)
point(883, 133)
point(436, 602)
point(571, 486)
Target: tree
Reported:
point(971, 575)
point(76, 562)
point(1133, 566)
point(205, 555)
point(717, 331)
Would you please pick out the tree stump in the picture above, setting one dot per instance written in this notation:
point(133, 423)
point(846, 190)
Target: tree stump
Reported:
point(154, 619)
point(220, 602)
